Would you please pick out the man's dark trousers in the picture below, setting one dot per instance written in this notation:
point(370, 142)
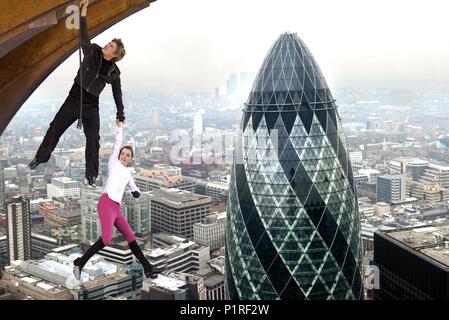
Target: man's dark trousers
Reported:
point(66, 116)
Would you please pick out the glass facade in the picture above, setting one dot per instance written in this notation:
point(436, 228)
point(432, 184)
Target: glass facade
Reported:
point(293, 230)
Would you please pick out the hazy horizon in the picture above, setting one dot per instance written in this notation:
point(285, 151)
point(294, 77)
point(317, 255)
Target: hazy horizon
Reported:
point(179, 46)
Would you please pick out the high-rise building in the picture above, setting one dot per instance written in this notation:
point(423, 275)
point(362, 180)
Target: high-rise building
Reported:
point(18, 221)
point(175, 211)
point(4, 258)
point(293, 230)
point(391, 188)
point(76, 170)
point(3, 165)
point(90, 221)
point(211, 231)
point(197, 124)
point(413, 263)
point(63, 187)
point(231, 83)
point(155, 118)
point(137, 212)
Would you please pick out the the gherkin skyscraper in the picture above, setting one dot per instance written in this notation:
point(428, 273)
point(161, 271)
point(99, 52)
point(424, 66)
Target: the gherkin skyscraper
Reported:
point(293, 230)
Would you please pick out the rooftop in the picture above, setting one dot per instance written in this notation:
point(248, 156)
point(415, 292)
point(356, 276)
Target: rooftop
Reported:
point(167, 282)
point(57, 270)
point(68, 213)
point(177, 197)
point(218, 185)
point(432, 241)
point(64, 179)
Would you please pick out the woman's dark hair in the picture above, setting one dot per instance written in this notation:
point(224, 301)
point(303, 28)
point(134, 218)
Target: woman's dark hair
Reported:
point(129, 148)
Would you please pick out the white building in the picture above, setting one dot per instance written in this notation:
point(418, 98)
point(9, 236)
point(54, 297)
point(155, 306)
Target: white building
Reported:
point(197, 124)
point(90, 221)
point(176, 254)
point(63, 187)
point(174, 286)
point(356, 156)
point(371, 173)
point(217, 190)
point(211, 231)
point(52, 278)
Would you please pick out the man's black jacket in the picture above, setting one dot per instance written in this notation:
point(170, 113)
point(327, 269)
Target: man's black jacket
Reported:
point(93, 82)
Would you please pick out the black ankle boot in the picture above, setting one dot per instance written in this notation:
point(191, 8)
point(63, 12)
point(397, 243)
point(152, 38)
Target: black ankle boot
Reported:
point(149, 270)
point(78, 264)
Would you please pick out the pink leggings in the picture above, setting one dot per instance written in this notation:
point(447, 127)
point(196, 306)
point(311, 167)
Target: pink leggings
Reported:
point(110, 215)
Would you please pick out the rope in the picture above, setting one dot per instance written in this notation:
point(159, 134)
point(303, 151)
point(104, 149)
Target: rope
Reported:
point(80, 120)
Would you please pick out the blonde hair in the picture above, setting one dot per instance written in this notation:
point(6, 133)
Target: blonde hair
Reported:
point(120, 52)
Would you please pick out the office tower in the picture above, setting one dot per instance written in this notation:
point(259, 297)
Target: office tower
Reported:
point(155, 118)
point(293, 230)
point(63, 187)
point(76, 170)
point(4, 260)
point(231, 83)
point(175, 211)
point(137, 212)
point(90, 221)
point(413, 263)
point(391, 188)
point(18, 221)
point(211, 231)
point(175, 254)
point(3, 165)
point(217, 190)
point(217, 93)
point(197, 124)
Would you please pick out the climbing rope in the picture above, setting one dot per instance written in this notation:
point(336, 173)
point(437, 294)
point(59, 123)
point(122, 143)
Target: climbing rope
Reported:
point(80, 120)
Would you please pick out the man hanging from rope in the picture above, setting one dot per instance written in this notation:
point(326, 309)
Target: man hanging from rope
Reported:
point(97, 69)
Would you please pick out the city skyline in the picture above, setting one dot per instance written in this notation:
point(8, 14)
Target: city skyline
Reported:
point(359, 45)
point(341, 174)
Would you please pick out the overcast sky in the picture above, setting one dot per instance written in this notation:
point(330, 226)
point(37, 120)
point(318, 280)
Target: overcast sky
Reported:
point(176, 46)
